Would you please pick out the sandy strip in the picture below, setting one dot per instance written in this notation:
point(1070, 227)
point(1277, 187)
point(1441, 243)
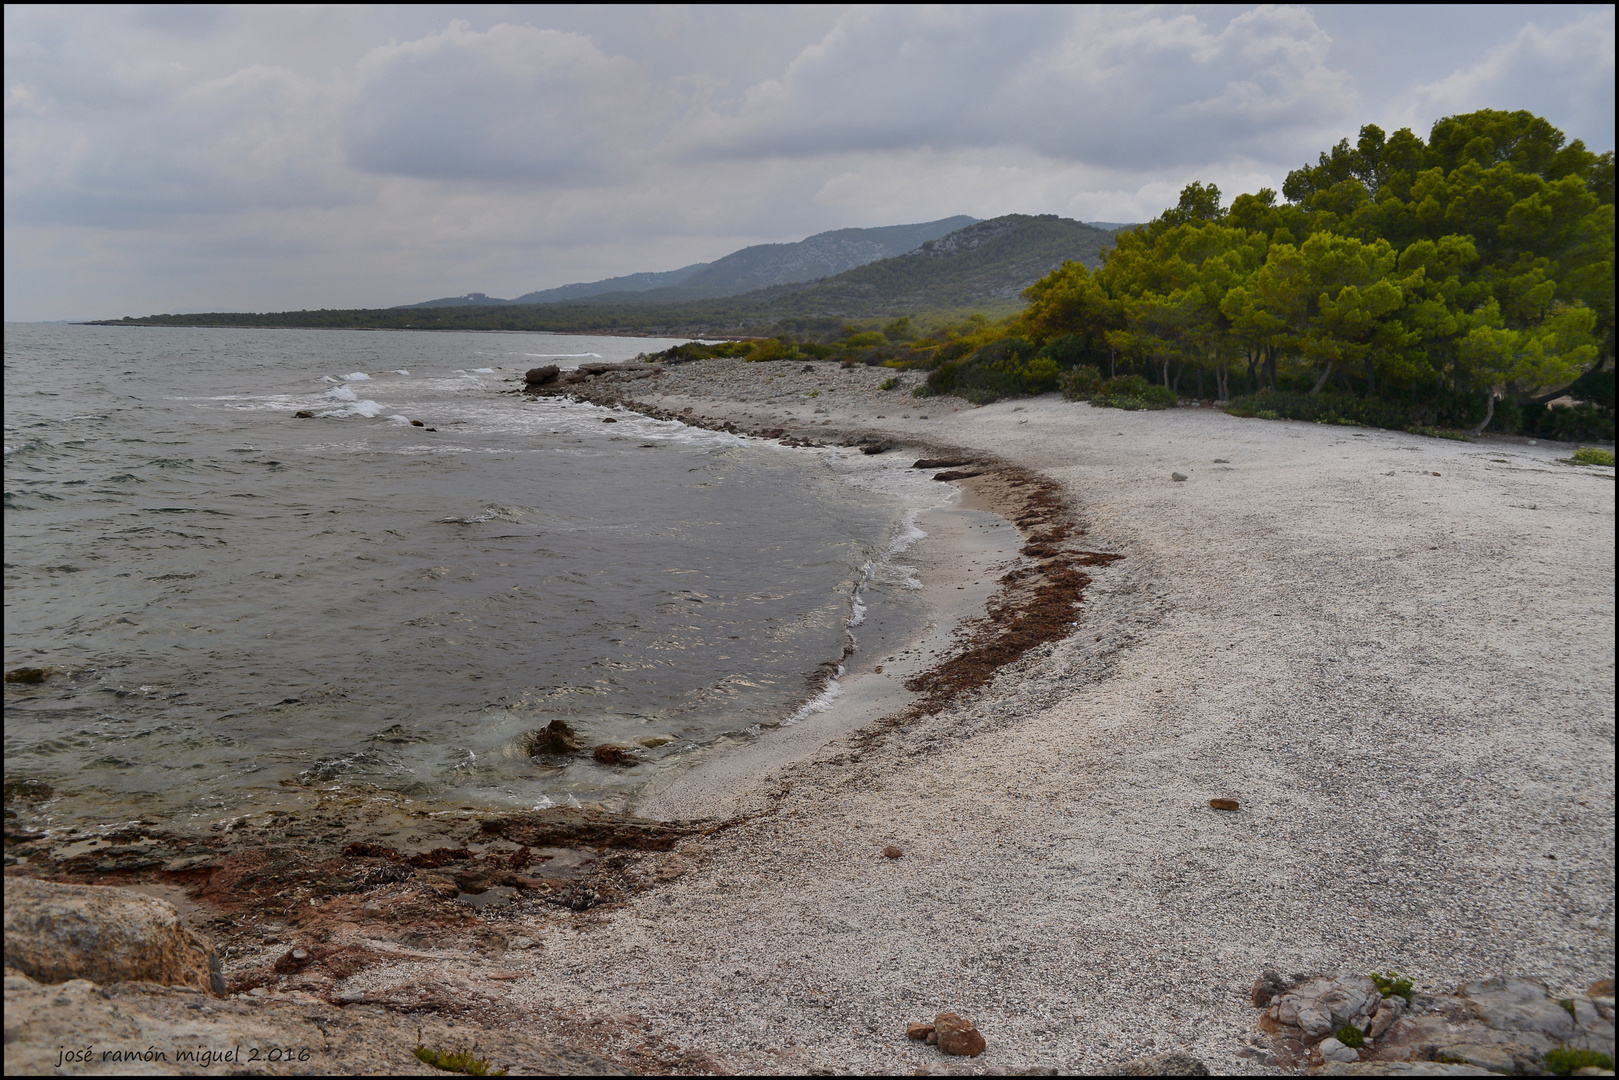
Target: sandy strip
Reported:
point(1396, 652)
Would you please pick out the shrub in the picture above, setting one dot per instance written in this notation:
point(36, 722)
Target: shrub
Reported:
point(1566, 1061)
point(1081, 383)
point(773, 349)
point(899, 330)
point(1132, 392)
point(888, 384)
point(1392, 985)
point(1041, 374)
point(865, 340)
point(1351, 1036)
point(1591, 455)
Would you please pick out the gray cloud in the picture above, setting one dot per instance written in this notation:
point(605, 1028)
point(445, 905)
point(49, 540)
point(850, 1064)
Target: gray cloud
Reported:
point(264, 158)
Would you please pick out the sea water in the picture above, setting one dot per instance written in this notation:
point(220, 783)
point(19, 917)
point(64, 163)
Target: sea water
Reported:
point(239, 608)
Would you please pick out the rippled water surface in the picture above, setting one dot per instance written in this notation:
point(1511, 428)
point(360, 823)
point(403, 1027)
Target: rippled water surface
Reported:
point(241, 608)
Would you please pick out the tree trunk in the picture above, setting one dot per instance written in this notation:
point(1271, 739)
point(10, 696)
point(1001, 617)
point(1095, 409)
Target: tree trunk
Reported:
point(1166, 372)
point(1322, 381)
point(1489, 414)
point(1178, 373)
point(1110, 372)
point(1253, 379)
point(1200, 382)
point(1270, 364)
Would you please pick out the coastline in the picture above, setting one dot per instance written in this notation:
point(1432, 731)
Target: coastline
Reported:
point(1395, 652)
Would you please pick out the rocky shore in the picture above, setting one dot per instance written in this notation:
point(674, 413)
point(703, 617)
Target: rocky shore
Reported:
point(1394, 655)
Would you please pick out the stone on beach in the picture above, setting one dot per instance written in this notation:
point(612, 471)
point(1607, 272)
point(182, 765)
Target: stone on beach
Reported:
point(893, 851)
point(1225, 804)
point(538, 376)
point(918, 1031)
point(57, 931)
point(958, 1036)
point(1172, 1064)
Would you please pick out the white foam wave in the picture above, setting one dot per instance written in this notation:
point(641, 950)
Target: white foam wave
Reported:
point(401, 371)
point(356, 376)
point(820, 702)
point(564, 355)
point(483, 371)
point(340, 393)
point(328, 378)
point(397, 419)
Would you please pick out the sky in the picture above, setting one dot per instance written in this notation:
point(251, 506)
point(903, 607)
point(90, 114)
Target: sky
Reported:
point(195, 158)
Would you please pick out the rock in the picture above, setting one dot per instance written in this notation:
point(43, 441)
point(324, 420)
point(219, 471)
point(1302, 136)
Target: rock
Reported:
point(1400, 1068)
point(1333, 1050)
point(958, 1036)
point(303, 414)
point(1222, 461)
point(417, 423)
point(1496, 1058)
point(918, 1031)
point(941, 463)
point(1386, 1014)
point(610, 754)
point(958, 474)
point(1172, 1064)
point(26, 789)
point(1176, 476)
point(881, 447)
point(1602, 988)
point(652, 742)
point(543, 374)
point(56, 932)
point(1322, 1005)
point(555, 738)
point(521, 943)
point(893, 851)
point(608, 420)
point(1225, 804)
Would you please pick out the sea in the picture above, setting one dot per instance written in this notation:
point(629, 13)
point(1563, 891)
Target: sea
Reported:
point(239, 610)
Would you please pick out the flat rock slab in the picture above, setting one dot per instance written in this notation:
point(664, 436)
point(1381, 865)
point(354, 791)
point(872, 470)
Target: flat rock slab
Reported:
point(145, 1029)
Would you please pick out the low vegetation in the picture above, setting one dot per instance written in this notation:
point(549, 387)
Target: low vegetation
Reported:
point(456, 1061)
point(1392, 985)
point(1566, 1061)
point(1590, 455)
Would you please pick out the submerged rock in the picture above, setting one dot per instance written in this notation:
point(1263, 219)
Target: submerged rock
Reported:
point(538, 376)
point(610, 754)
point(56, 932)
point(555, 738)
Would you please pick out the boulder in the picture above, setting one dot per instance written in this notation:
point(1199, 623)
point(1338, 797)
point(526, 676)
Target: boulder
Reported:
point(56, 932)
point(538, 376)
point(918, 1031)
point(958, 1036)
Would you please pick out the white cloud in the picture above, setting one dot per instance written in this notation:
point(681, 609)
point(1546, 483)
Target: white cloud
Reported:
point(1107, 86)
point(1565, 73)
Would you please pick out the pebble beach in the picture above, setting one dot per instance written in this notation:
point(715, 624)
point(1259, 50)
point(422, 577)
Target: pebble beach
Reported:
point(1393, 653)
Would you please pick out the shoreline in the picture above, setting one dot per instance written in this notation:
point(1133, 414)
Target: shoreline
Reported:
point(1395, 654)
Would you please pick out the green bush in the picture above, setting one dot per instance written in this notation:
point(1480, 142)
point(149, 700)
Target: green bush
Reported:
point(888, 384)
point(865, 340)
point(1351, 1036)
point(1592, 455)
point(770, 349)
point(1565, 1060)
point(1080, 383)
point(456, 1061)
point(1134, 393)
point(1392, 985)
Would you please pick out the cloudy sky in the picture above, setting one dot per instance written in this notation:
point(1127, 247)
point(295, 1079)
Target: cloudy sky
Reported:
point(202, 159)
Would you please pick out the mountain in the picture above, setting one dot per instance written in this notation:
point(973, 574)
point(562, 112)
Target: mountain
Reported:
point(756, 267)
point(1113, 226)
point(982, 267)
point(988, 263)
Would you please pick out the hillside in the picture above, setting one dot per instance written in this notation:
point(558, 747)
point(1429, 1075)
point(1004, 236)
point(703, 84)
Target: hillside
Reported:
point(745, 270)
point(985, 267)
